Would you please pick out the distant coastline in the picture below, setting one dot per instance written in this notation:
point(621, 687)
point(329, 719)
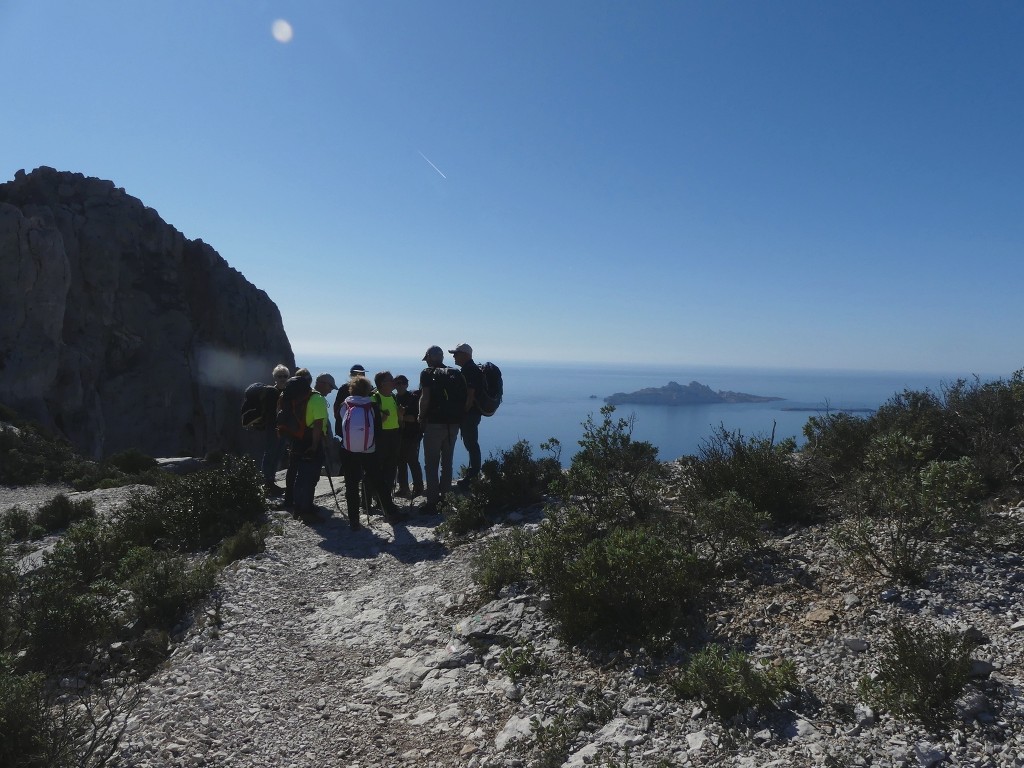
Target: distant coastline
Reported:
point(693, 393)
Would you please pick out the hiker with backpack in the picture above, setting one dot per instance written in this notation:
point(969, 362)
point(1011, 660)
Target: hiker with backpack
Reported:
point(259, 412)
point(358, 425)
point(443, 395)
point(470, 424)
point(302, 419)
point(388, 440)
point(411, 437)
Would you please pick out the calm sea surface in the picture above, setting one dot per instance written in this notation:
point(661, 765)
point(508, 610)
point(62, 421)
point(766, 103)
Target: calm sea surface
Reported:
point(551, 400)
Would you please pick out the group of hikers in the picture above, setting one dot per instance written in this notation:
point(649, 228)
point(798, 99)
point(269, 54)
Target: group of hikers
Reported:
point(379, 426)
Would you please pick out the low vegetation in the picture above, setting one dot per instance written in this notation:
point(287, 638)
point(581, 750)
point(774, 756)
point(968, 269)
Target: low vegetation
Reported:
point(109, 596)
point(630, 555)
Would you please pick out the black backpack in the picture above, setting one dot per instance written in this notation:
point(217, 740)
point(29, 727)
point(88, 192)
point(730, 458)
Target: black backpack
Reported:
point(448, 392)
point(494, 389)
point(259, 406)
point(291, 408)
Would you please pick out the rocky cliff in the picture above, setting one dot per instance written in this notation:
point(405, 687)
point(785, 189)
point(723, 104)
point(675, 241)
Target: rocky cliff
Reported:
point(118, 331)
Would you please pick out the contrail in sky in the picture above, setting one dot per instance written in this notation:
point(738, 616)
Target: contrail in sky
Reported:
point(432, 165)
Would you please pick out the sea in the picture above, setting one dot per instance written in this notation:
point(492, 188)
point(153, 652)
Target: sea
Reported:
point(552, 400)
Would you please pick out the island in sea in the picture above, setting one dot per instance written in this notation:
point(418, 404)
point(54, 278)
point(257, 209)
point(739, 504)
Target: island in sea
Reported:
point(693, 393)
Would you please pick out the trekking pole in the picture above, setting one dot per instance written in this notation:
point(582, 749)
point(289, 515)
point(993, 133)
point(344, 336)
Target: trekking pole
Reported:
point(366, 497)
point(327, 465)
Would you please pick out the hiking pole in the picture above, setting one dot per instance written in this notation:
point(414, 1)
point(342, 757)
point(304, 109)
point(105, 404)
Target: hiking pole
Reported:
point(327, 466)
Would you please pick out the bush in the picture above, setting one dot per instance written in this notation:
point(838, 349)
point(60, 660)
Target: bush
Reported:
point(836, 446)
point(922, 671)
point(758, 470)
point(729, 683)
point(902, 503)
point(197, 511)
point(8, 593)
point(60, 511)
point(132, 462)
point(17, 523)
point(521, 661)
point(25, 723)
point(633, 584)
point(514, 479)
point(167, 586)
point(503, 561)
point(722, 531)
point(462, 514)
point(250, 540)
point(613, 478)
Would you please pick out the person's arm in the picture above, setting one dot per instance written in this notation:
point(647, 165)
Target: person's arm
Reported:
point(424, 404)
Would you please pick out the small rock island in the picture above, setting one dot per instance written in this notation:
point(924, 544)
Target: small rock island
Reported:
point(693, 393)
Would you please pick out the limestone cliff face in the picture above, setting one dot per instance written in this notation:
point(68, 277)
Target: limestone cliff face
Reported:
point(118, 331)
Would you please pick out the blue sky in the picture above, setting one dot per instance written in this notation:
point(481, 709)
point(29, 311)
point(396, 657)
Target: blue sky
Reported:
point(784, 184)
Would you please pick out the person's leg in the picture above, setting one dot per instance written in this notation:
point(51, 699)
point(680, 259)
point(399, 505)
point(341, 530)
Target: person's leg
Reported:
point(402, 473)
point(433, 435)
point(449, 434)
point(415, 469)
point(353, 474)
point(471, 439)
point(289, 478)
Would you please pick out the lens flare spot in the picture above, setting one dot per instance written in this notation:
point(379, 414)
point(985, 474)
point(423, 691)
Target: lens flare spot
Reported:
point(282, 31)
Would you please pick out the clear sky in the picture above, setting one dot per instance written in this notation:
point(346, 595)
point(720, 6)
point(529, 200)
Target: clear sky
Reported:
point(787, 184)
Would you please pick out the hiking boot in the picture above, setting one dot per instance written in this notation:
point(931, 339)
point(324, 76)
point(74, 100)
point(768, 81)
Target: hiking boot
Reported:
point(355, 525)
point(273, 490)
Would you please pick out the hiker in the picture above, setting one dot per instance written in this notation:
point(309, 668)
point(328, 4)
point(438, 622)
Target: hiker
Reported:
point(343, 392)
point(442, 404)
point(470, 425)
point(309, 450)
point(275, 445)
point(411, 437)
point(357, 426)
point(388, 440)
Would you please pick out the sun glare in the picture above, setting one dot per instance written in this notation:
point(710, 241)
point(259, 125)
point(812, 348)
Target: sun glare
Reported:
point(281, 30)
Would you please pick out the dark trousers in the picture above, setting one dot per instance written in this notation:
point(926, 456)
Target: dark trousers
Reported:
point(409, 462)
point(470, 428)
point(272, 454)
point(307, 475)
point(358, 467)
point(388, 443)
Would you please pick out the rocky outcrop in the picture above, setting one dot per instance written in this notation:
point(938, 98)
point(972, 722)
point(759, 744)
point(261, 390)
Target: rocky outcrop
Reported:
point(693, 393)
point(118, 331)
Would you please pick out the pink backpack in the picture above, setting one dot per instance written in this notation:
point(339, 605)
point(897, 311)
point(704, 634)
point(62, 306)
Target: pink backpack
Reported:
point(357, 433)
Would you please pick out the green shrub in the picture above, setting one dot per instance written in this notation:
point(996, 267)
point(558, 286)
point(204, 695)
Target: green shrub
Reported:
point(60, 511)
point(166, 587)
point(522, 661)
point(27, 729)
point(17, 522)
point(760, 471)
point(902, 503)
point(8, 593)
point(250, 540)
point(503, 561)
point(922, 671)
point(613, 478)
point(729, 683)
point(836, 446)
point(63, 625)
point(198, 510)
point(722, 531)
point(87, 552)
point(132, 462)
point(462, 514)
point(513, 478)
point(632, 584)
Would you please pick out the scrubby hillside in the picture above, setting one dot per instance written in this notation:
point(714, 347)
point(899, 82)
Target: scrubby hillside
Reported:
point(858, 603)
